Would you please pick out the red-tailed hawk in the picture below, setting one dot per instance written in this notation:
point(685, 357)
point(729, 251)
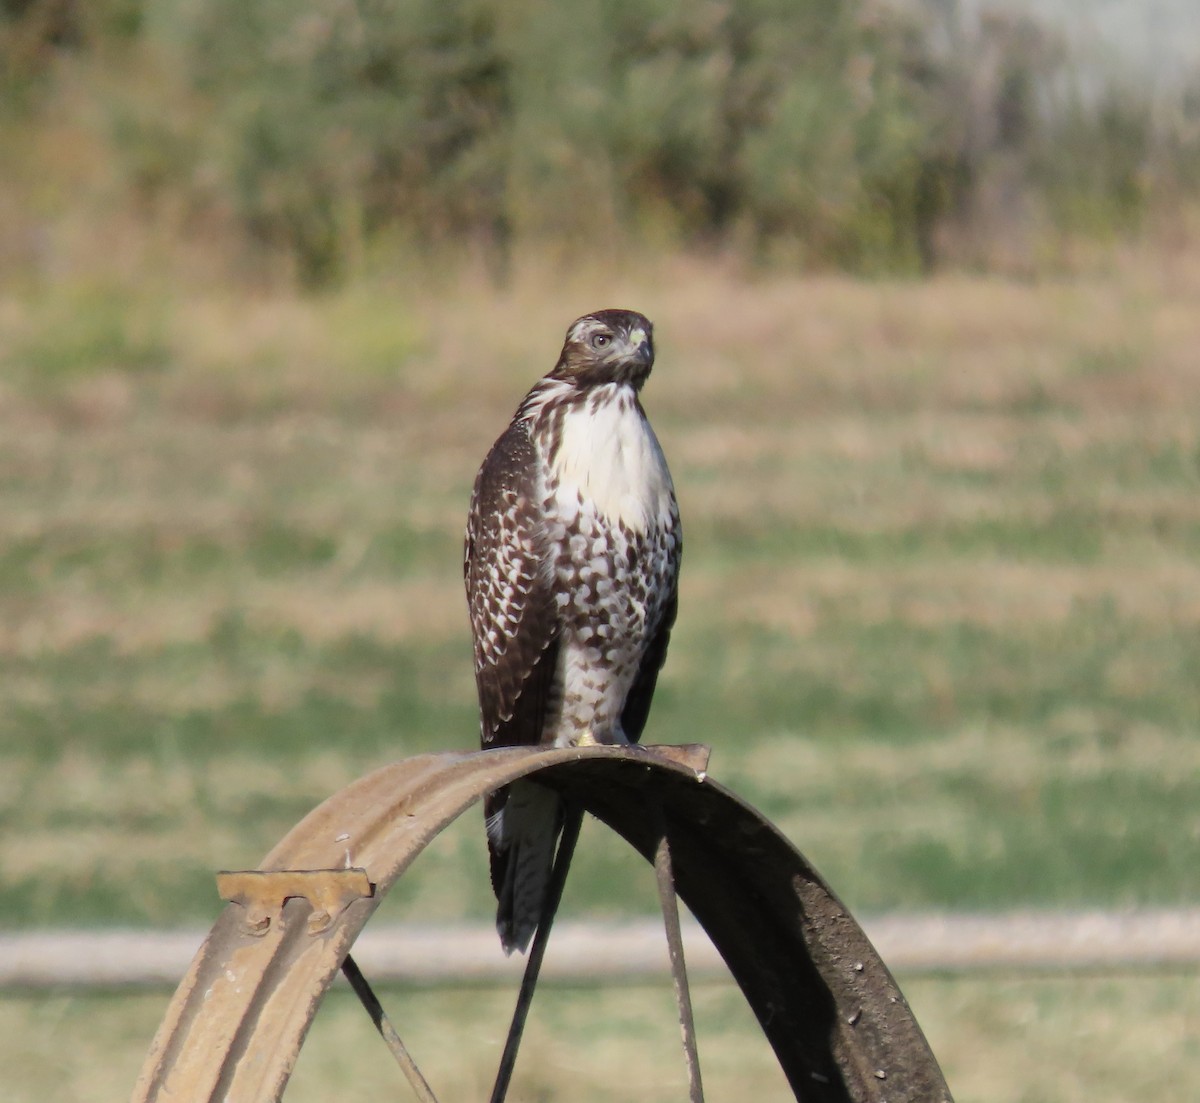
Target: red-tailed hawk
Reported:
point(571, 568)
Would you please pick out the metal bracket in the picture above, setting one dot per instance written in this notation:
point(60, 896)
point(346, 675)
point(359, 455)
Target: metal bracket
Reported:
point(264, 892)
point(692, 756)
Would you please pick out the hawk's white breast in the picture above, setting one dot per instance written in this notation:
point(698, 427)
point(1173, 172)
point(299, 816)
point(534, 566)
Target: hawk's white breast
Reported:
point(609, 455)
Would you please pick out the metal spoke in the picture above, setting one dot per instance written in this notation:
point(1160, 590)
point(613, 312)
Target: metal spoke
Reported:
point(665, 877)
point(572, 821)
point(383, 1024)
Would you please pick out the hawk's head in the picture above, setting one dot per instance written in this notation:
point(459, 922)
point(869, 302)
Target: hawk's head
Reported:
point(610, 346)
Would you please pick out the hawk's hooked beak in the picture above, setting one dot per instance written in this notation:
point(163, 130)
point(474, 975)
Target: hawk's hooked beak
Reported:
point(640, 340)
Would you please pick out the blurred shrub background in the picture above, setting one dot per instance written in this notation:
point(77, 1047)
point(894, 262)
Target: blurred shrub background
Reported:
point(313, 141)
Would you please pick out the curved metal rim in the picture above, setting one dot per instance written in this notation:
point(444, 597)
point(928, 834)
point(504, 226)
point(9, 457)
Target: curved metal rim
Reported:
point(830, 1009)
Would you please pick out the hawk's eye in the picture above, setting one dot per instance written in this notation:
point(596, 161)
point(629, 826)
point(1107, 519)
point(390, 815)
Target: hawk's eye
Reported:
point(600, 340)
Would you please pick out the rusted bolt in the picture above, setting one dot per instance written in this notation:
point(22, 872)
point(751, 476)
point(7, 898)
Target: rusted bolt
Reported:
point(257, 923)
point(319, 921)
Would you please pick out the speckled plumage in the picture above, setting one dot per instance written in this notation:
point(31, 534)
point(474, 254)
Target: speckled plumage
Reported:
point(571, 568)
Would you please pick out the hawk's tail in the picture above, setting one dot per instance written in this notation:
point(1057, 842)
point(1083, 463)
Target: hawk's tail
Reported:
point(523, 826)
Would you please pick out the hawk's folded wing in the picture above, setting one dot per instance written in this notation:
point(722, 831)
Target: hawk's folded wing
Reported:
point(509, 595)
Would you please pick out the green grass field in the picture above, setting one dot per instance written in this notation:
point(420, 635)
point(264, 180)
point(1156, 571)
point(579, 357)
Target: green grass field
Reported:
point(1047, 1040)
point(940, 612)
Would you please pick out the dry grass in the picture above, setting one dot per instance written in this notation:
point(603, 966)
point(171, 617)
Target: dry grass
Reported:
point(940, 585)
point(817, 403)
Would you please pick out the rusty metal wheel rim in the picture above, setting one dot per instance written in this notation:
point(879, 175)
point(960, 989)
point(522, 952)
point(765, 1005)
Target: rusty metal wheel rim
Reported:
point(834, 1016)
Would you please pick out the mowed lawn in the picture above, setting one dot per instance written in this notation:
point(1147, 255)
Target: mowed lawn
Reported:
point(999, 1040)
point(940, 610)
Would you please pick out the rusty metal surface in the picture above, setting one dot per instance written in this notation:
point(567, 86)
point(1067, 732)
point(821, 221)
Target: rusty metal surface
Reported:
point(829, 1007)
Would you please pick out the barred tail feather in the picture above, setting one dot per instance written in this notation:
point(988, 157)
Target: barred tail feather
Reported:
point(522, 834)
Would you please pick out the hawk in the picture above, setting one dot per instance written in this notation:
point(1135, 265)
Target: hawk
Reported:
point(571, 567)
